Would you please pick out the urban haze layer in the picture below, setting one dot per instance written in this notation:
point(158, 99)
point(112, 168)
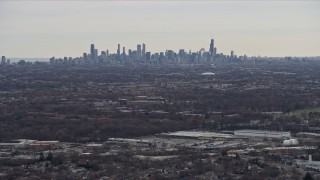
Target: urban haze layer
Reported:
point(167, 115)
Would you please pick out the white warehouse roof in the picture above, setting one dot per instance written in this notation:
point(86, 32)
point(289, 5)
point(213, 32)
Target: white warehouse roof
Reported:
point(262, 133)
point(198, 134)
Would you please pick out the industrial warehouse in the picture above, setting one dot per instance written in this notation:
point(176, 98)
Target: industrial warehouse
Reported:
point(260, 133)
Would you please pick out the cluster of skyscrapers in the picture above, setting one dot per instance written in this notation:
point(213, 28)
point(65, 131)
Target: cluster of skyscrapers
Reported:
point(140, 55)
point(5, 61)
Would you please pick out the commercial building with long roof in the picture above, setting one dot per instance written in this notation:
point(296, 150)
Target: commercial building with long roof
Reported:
point(262, 133)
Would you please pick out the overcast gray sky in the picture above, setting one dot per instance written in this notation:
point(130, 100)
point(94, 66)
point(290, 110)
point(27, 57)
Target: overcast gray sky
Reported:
point(67, 28)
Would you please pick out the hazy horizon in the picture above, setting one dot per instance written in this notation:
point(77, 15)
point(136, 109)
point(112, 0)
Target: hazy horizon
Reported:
point(67, 28)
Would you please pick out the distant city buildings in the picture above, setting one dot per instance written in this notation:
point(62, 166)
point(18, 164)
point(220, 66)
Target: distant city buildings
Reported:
point(140, 55)
point(5, 61)
point(143, 50)
point(139, 50)
point(213, 50)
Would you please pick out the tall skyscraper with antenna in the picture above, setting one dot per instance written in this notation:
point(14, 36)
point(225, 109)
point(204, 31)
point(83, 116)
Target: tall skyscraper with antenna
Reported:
point(212, 47)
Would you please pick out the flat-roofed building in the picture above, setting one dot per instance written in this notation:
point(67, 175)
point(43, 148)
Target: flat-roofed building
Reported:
point(262, 133)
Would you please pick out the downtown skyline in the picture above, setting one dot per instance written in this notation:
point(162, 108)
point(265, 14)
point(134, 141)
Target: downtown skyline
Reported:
point(141, 55)
point(46, 29)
